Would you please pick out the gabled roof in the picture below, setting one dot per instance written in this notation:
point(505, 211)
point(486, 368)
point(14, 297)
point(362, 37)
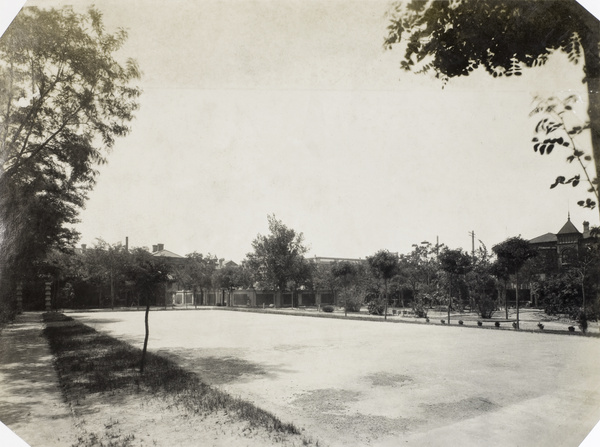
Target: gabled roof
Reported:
point(568, 228)
point(167, 254)
point(544, 238)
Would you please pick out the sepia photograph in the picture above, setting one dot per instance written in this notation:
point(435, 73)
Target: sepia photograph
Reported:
point(299, 223)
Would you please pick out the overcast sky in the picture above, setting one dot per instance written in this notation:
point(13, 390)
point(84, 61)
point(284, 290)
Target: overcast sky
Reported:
point(293, 108)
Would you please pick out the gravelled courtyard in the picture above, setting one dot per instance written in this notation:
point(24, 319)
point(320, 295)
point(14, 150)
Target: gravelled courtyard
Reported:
point(369, 383)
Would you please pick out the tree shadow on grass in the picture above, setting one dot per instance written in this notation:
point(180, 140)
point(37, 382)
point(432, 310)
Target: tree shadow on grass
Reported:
point(95, 320)
point(220, 370)
point(95, 365)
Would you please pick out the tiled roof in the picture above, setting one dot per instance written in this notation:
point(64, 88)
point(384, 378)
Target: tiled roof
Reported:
point(568, 228)
point(167, 254)
point(544, 238)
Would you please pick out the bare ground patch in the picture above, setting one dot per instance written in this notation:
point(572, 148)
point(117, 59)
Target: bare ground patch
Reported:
point(329, 400)
point(456, 411)
point(388, 379)
point(331, 407)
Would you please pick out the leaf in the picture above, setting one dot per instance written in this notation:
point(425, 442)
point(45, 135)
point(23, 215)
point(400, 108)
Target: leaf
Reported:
point(587, 158)
point(550, 148)
point(560, 179)
point(541, 125)
point(581, 203)
point(575, 183)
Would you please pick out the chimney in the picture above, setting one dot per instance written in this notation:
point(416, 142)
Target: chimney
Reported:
point(161, 247)
point(83, 246)
point(154, 248)
point(586, 227)
point(126, 243)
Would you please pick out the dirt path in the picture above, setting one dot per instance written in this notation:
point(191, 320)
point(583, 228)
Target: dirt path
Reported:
point(31, 402)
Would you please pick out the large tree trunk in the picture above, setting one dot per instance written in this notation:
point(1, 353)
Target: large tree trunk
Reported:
point(590, 40)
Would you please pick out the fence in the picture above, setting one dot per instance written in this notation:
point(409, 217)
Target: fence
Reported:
point(251, 298)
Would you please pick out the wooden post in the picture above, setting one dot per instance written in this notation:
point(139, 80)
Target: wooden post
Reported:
point(48, 296)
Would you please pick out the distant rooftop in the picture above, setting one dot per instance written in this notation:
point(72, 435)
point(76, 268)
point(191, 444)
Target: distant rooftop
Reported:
point(326, 260)
point(159, 250)
point(568, 228)
point(545, 238)
point(167, 254)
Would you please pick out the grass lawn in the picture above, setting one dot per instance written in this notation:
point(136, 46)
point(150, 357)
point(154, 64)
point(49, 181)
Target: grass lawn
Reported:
point(367, 383)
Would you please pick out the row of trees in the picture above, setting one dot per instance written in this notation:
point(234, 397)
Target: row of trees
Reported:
point(431, 275)
point(64, 99)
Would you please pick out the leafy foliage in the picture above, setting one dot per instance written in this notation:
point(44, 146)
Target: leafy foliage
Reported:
point(197, 272)
point(278, 259)
point(455, 262)
point(348, 282)
point(456, 37)
point(64, 100)
point(453, 38)
point(560, 294)
point(376, 306)
point(553, 130)
point(482, 284)
point(384, 266)
point(513, 253)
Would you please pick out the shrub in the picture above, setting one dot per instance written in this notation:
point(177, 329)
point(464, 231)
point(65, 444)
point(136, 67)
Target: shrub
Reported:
point(351, 298)
point(376, 306)
point(486, 306)
point(582, 321)
point(497, 324)
point(426, 319)
point(419, 308)
point(443, 321)
point(328, 308)
point(560, 294)
point(571, 328)
point(479, 323)
point(353, 306)
point(460, 322)
point(541, 326)
point(514, 325)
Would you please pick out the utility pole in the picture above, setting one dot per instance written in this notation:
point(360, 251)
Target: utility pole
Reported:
point(472, 234)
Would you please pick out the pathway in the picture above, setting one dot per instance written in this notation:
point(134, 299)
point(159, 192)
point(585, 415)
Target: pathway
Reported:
point(31, 403)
